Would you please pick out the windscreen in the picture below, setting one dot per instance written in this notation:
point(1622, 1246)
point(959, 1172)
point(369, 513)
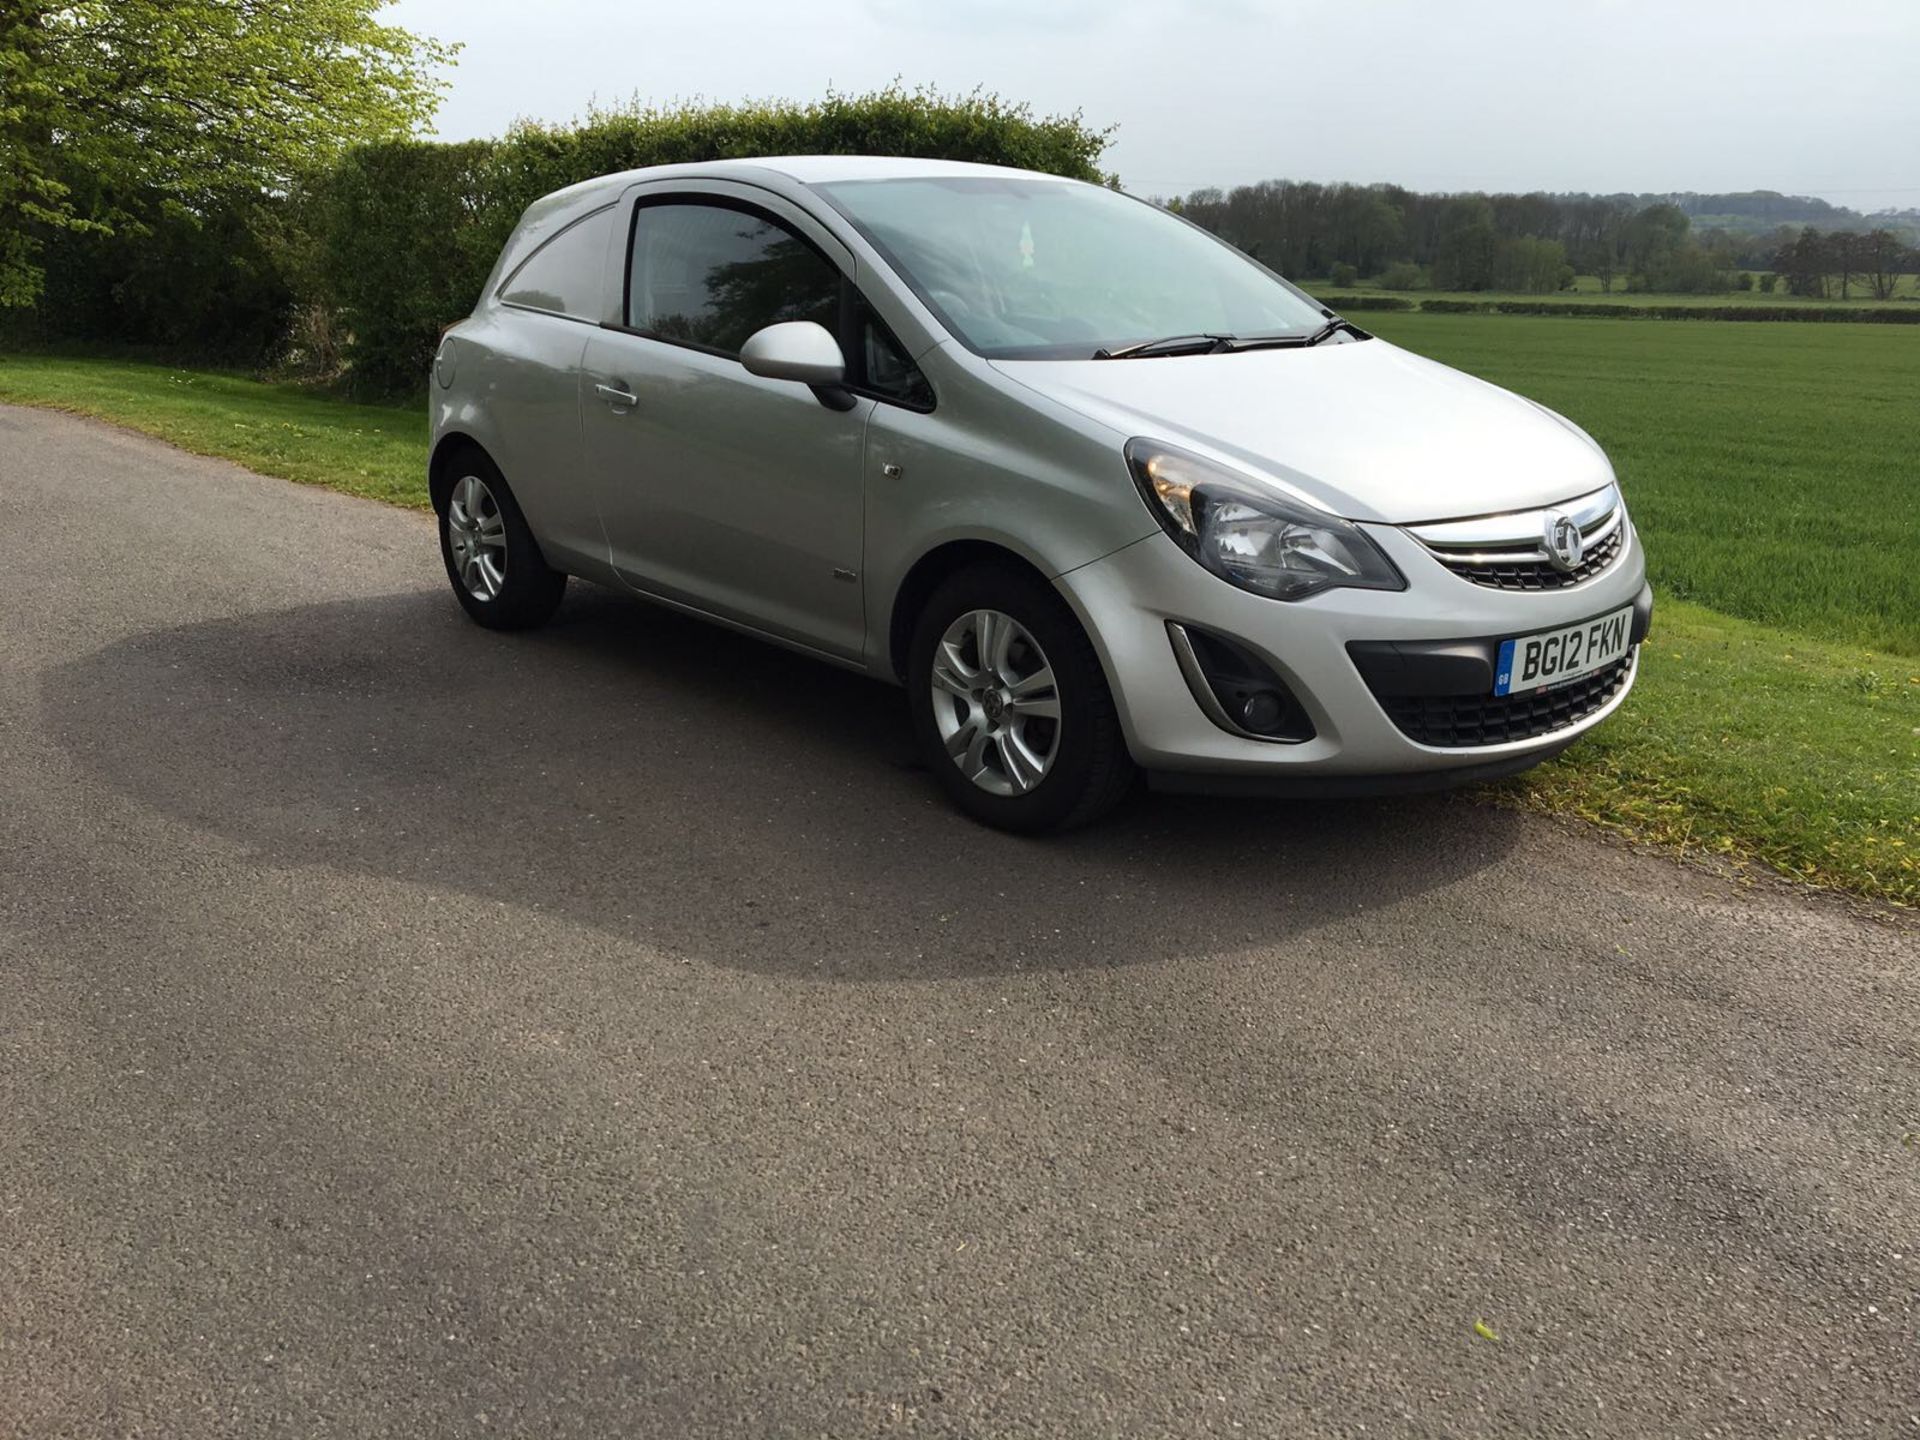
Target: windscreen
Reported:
point(1030, 268)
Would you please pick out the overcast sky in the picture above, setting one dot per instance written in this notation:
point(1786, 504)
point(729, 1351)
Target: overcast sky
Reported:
point(1602, 95)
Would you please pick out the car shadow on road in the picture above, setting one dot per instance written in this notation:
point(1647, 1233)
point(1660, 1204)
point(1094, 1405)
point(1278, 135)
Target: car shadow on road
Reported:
point(673, 783)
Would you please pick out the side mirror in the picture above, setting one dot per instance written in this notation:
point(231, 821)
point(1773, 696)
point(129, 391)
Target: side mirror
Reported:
point(803, 351)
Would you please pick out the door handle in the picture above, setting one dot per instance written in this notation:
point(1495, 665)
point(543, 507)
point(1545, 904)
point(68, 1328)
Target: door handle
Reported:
point(617, 396)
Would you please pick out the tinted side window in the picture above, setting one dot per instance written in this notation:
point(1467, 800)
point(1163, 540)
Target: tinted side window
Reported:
point(712, 276)
point(563, 275)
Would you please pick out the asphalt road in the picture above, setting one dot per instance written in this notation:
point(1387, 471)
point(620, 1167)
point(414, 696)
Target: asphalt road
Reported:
point(408, 1030)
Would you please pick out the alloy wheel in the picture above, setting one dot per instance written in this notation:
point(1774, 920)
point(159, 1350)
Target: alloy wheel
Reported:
point(477, 535)
point(995, 702)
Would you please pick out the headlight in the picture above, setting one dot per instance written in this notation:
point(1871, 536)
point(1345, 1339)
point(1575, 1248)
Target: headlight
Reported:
point(1252, 537)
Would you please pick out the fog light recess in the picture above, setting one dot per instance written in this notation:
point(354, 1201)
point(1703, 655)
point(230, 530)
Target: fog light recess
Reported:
point(1238, 691)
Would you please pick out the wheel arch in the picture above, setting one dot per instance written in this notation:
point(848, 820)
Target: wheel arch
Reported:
point(949, 557)
point(926, 575)
point(440, 475)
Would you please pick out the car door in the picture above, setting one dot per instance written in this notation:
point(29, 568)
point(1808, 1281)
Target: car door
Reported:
point(735, 494)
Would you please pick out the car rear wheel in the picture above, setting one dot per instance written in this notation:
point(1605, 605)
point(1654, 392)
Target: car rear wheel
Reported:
point(1011, 707)
point(498, 573)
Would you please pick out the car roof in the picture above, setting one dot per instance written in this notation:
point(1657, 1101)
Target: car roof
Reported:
point(826, 169)
point(802, 169)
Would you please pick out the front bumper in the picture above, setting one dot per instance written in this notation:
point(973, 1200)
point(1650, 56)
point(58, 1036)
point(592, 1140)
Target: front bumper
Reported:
point(1441, 630)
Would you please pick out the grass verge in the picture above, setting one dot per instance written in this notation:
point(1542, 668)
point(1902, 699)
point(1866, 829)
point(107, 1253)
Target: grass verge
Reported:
point(1758, 745)
point(378, 451)
point(1741, 739)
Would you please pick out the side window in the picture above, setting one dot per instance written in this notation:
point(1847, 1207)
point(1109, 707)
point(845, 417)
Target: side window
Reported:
point(563, 276)
point(886, 367)
point(711, 276)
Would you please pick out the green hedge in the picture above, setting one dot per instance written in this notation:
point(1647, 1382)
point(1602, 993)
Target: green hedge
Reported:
point(1874, 315)
point(1365, 302)
point(166, 282)
point(409, 231)
point(1819, 314)
point(364, 263)
point(404, 234)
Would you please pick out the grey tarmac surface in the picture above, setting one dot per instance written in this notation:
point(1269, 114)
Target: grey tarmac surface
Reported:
point(408, 1030)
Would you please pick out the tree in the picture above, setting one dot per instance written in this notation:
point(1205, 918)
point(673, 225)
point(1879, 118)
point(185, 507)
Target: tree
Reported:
point(1652, 236)
point(1844, 252)
point(1804, 263)
point(1602, 257)
point(1363, 229)
point(1689, 269)
point(115, 108)
point(1595, 237)
point(1881, 256)
point(1469, 245)
point(1531, 265)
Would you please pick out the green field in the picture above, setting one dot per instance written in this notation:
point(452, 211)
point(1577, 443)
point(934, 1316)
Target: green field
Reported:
point(1772, 468)
point(1769, 468)
point(1771, 471)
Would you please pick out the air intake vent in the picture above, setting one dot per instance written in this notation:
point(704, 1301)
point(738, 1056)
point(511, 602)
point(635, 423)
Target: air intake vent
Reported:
point(1464, 721)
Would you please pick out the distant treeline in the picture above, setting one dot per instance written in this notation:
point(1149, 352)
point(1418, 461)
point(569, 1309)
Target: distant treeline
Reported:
point(1410, 240)
point(1768, 210)
point(349, 266)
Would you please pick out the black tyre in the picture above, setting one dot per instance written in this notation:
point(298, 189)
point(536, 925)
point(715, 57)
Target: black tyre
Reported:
point(1011, 707)
point(498, 573)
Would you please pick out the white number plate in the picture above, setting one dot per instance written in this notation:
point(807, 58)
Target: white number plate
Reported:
point(1553, 657)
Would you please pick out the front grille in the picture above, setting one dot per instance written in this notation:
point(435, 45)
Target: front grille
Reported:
point(1509, 551)
point(1463, 721)
point(1539, 574)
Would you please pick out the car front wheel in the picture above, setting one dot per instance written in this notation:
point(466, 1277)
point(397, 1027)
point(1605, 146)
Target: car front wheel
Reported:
point(1011, 708)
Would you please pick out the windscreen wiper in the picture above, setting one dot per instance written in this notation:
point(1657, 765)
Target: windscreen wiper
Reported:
point(1202, 344)
point(1333, 327)
point(1214, 343)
